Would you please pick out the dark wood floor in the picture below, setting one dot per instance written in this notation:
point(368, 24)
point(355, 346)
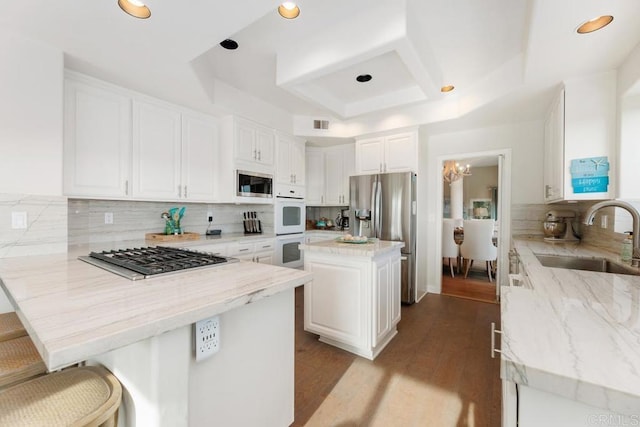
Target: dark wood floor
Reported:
point(436, 372)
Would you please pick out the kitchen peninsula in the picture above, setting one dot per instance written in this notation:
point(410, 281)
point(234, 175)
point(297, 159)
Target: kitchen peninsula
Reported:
point(142, 331)
point(353, 301)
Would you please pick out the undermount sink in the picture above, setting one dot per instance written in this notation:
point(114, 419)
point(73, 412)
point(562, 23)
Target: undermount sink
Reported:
point(601, 265)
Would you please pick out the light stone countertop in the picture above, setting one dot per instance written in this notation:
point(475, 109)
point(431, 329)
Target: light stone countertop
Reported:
point(576, 333)
point(74, 310)
point(370, 249)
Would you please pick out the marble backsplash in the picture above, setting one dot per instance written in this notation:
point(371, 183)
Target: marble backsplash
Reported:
point(132, 219)
point(46, 230)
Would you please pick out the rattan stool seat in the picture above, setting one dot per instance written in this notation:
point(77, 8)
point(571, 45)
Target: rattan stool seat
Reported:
point(84, 396)
point(19, 360)
point(11, 326)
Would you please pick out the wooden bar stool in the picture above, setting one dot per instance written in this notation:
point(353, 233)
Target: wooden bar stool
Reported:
point(11, 326)
point(19, 358)
point(81, 396)
point(19, 361)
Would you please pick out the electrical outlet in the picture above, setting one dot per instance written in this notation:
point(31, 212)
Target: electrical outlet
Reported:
point(18, 220)
point(207, 337)
point(209, 216)
point(108, 217)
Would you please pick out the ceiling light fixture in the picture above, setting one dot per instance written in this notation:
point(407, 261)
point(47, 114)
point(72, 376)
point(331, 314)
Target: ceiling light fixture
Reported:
point(453, 171)
point(229, 44)
point(289, 10)
point(595, 24)
point(135, 8)
point(363, 78)
point(447, 88)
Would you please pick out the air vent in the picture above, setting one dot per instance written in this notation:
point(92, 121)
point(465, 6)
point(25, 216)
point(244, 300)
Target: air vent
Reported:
point(321, 124)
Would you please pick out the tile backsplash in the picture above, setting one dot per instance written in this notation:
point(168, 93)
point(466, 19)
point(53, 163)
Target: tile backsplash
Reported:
point(132, 220)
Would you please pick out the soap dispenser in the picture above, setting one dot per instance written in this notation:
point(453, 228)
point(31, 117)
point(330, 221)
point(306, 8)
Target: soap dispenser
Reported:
point(627, 247)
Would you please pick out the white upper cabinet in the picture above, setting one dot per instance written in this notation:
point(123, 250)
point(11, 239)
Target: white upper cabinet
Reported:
point(120, 145)
point(97, 141)
point(369, 155)
point(156, 152)
point(254, 145)
point(328, 171)
point(388, 153)
point(290, 166)
point(315, 176)
point(580, 140)
point(200, 153)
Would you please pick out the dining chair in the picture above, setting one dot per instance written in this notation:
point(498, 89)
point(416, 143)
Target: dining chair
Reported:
point(450, 248)
point(478, 244)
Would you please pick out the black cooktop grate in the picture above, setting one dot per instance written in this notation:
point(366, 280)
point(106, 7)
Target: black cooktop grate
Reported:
point(156, 260)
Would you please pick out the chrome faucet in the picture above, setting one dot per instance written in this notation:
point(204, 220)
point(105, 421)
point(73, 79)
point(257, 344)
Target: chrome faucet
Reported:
point(591, 213)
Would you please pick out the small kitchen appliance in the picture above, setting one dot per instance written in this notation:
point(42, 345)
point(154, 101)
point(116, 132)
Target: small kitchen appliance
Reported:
point(146, 262)
point(558, 226)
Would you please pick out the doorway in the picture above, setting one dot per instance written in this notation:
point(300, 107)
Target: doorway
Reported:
point(482, 192)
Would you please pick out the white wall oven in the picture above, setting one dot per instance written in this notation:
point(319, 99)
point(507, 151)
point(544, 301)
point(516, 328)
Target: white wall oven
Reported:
point(290, 220)
point(290, 216)
point(288, 253)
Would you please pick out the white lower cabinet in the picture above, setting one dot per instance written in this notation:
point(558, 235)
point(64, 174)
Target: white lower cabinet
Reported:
point(260, 252)
point(353, 302)
point(541, 408)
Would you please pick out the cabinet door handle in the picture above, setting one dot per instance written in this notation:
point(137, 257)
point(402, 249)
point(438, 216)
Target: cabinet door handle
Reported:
point(259, 154)
point(180, 191)
point(494, 331)
point(380, 167)
point(255, 154)
point(185, 191)
point(243, 250)
point(321, 199)
point(295, 178)
point(126, 187)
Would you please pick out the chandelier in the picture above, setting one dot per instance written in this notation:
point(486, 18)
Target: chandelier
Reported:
point(453, 171)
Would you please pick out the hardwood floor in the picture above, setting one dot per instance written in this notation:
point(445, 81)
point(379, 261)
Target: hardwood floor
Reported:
point(436, 372)
point(476, 286)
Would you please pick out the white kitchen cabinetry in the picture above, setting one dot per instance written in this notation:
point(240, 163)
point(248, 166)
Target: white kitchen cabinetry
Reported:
point(174, 153)
point(256, 251)
point(580, 125)
point(319, 236)
point(388, 153)
point(97, 141)
point(254, 145)
point(353, 302)
point(328, 171)
point(290, 166)
point(200, 153)
point(123, 145)
point(156, 152)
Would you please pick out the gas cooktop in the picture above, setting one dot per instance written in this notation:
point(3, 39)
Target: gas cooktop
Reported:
point(142, 263)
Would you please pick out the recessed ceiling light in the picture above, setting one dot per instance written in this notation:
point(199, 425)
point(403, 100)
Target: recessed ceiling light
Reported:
point(289, 10)
point(229, 44)
point(135, 8)
point(447, 88)
point(363, 78)
point(595, 24)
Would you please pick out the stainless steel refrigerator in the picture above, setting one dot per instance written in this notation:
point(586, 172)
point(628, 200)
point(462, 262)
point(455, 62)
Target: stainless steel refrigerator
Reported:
point(384, 206)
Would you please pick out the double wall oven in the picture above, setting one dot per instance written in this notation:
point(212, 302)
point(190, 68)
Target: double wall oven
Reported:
point(290, 220)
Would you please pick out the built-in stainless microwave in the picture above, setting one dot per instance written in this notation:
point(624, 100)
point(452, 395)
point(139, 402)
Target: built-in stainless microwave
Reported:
point(254, 184)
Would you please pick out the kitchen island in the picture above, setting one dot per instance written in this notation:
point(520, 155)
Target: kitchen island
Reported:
point(570, 341)
point(353, 301)
point(142, 331)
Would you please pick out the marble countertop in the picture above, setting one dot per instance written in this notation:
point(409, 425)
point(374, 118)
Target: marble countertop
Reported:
point(73, 310)
point(369, 249)
point(576, 333)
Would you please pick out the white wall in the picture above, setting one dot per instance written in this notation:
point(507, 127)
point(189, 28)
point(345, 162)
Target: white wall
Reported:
point(30, 117)
point(524, 140)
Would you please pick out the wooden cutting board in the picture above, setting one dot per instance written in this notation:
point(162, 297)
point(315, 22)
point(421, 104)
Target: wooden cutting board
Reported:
point(161, 237)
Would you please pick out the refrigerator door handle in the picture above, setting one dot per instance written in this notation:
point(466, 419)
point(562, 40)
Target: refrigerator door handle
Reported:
point(373, 213)
point(378, 208)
